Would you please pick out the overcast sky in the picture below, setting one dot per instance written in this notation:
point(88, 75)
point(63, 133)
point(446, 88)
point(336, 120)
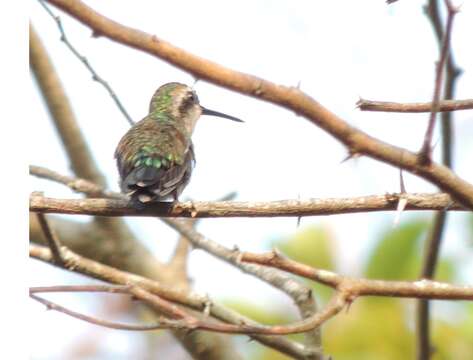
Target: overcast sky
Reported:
point(338, 51)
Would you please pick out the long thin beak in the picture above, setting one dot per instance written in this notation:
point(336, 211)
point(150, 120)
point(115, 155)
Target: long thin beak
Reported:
point(219, 114)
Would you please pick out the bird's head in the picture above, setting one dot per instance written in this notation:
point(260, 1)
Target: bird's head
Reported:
point(180, 102)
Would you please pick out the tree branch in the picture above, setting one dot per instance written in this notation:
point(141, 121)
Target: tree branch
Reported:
point(424, 289)
point(205, 209)
point(425, 154)
point(386, 106)
point(185, 321)
point(291, 98)
point(433, 242)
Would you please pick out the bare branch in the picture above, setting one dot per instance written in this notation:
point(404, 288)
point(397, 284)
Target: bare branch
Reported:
point(122, 289)
point(386, 106)
point(291, 98)
point(90, 319)
point(425, 154)
point(432, 245)
point(188, 322)
point(206, 209)
point(425, 289)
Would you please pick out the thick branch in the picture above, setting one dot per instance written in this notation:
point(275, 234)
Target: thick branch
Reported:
point(387, 106)
point(291, 98)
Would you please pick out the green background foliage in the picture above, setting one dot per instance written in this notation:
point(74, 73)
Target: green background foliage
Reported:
point(376, 327)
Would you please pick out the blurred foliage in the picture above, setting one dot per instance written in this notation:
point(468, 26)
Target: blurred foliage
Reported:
point(377, 328)
point(396, 254)
point(312, 246)
point(262, 314)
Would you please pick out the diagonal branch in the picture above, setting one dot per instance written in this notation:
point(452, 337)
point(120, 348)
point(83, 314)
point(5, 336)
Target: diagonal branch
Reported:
point(291, 98)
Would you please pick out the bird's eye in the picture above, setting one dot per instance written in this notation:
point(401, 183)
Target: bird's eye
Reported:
point(193, 97)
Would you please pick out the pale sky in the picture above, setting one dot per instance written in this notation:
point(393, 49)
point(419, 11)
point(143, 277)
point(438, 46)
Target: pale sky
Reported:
point(339, 50)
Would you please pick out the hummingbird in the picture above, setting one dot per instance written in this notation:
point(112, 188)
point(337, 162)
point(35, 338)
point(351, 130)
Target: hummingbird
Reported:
point(155, 157)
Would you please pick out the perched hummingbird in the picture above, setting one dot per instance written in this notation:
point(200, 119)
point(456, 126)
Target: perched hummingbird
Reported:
point(155, 157)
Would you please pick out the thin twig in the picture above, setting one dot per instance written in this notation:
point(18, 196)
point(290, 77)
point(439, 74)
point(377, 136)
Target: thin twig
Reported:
point(90, 319)
point(386, 106)
point(425, 154)
point(188, 322)
point(122, 289)
point(53, 242)
point(87, 64)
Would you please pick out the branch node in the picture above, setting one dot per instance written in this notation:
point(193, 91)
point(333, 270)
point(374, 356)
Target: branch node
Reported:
point(275, 254)
point(207, 306)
